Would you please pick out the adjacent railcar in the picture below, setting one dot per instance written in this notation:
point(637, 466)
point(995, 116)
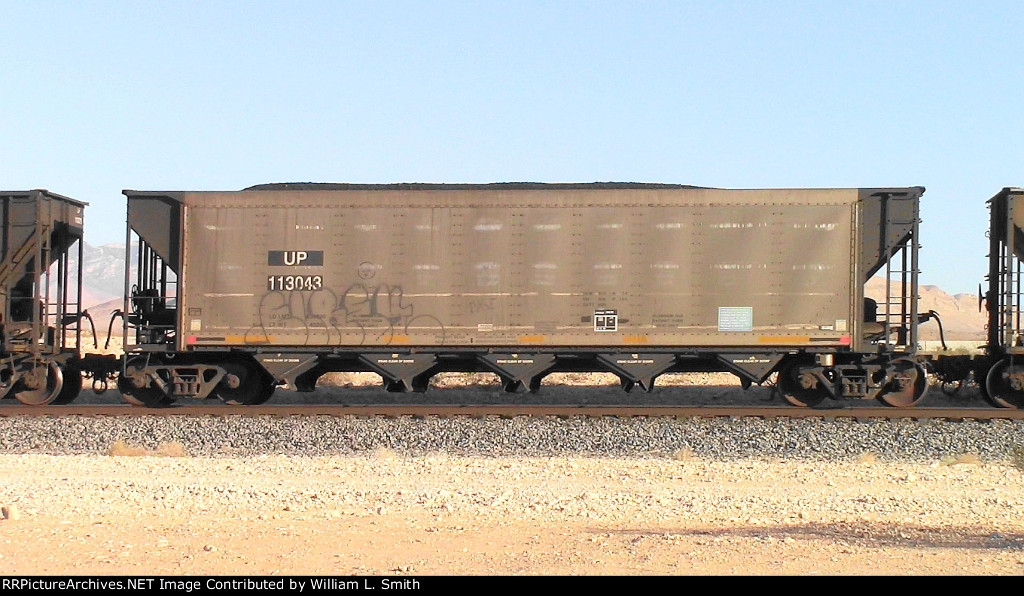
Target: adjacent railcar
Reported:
point(237, 293)
point(40, 296)
point(999, 371)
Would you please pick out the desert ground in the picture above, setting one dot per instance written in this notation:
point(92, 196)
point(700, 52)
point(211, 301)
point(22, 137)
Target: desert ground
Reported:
point(163, 512)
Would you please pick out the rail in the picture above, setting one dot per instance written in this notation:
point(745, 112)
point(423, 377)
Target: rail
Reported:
point(560, 411)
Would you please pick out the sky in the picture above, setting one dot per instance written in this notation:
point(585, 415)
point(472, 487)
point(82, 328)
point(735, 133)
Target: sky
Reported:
point(100, 96)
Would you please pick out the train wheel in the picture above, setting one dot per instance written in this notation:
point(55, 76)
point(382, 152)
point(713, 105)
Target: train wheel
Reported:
point(149, 396)
point(952, 388)
point(72, 386)
point(244, 385)
point(40, 385)
point(7, 381)
point(800, 388)
point(909, 385)
point(1004, 385)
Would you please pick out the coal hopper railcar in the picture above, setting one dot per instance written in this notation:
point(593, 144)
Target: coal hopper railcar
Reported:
point(236, 293)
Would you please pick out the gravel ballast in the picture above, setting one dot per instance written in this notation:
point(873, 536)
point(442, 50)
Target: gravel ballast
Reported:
point(819, 439)
point(723, 438)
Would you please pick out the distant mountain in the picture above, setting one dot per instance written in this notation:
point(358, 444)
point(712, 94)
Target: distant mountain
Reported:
point(960, 317)
point(102, 274)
